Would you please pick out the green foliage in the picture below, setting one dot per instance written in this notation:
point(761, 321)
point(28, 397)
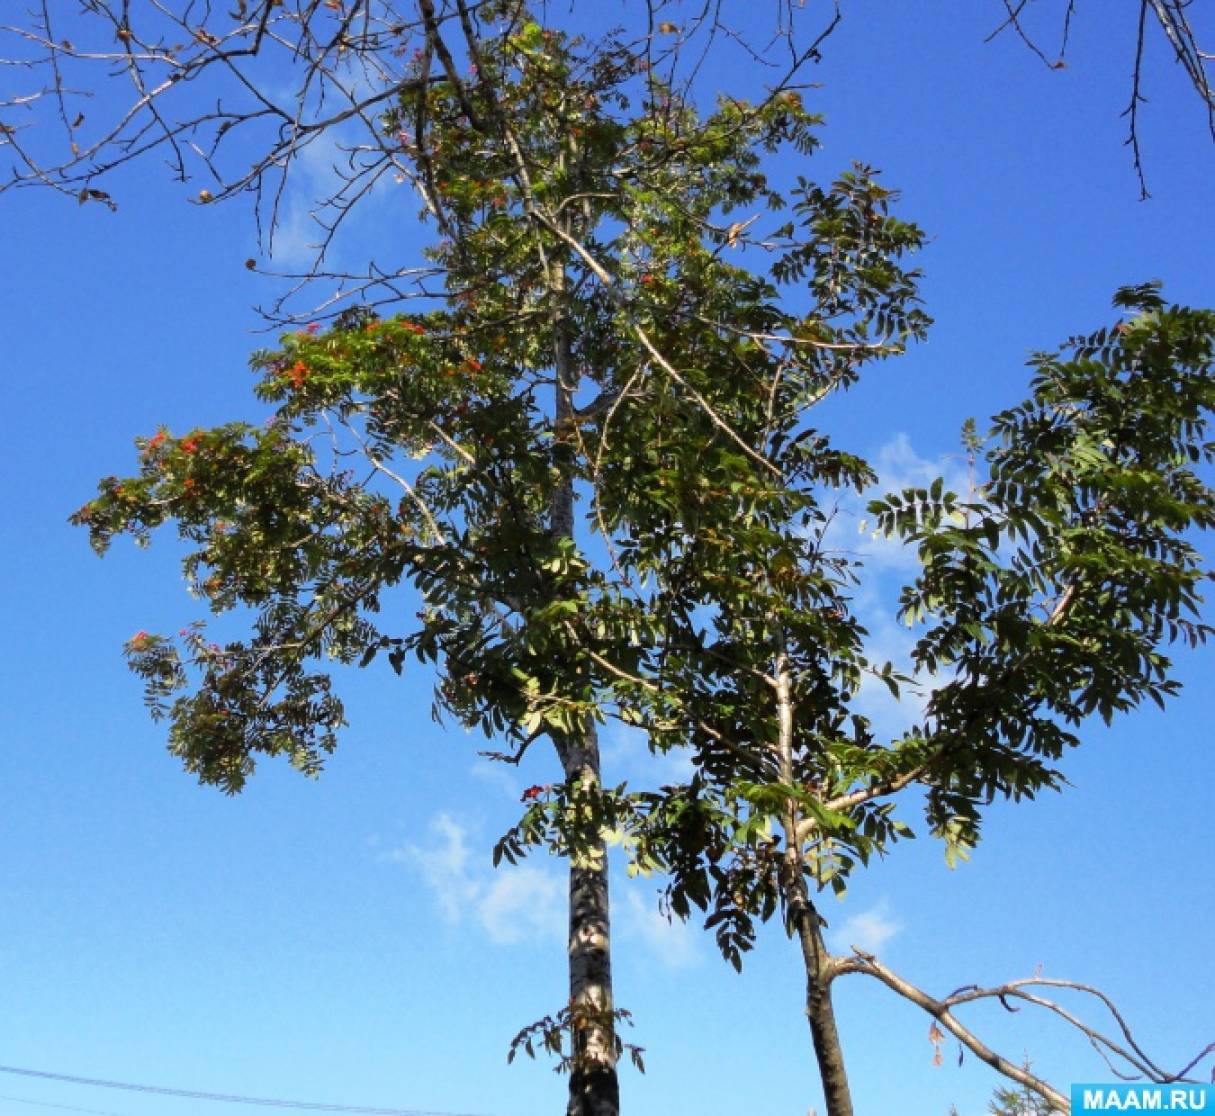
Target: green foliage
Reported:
point(551, 1033)
point(585, 241)
point(1045, 595)
point(1049, 594)
point(579, 212)
point(1019, 1102)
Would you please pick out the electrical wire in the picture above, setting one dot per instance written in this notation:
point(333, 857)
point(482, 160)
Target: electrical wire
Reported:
point(62, 1107)
point(224, 1098)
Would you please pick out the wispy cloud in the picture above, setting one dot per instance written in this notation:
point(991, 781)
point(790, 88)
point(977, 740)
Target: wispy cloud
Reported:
point(887, 641)
point(313, 176)
point(869, 930)
point(673, 943)
point(888, 564)
point(498, 776)
point(626, 755)
point(443, 864)
point(321, 167)
point(513, 904)
point(525, 903)
point(898, 466)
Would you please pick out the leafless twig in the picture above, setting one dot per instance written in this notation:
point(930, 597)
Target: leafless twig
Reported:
point(1119, 1049)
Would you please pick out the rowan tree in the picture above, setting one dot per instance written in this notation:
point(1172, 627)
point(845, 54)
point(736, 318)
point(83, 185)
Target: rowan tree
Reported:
point(589, 335)
point(1046, 596)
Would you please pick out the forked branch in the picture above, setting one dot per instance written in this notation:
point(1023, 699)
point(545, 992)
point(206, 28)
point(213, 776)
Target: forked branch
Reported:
point(1119, 1049)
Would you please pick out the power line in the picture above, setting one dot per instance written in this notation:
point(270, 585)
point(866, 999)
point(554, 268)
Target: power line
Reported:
point(64, 1107)
point(225, 1098)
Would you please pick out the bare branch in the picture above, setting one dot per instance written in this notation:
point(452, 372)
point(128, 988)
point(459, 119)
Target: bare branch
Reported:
point(1132, 110)
point(1122, 1054)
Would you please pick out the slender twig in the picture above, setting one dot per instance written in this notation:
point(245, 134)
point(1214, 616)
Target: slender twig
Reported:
point(1123, 1055)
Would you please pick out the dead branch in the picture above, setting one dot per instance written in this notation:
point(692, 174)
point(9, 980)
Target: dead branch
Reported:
point(1174, 22)
point(1119, 1049)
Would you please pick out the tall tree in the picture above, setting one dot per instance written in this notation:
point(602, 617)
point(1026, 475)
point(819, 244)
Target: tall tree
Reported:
point(588, 335)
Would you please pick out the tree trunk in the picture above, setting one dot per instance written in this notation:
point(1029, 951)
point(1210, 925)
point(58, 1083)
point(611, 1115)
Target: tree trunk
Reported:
point(805, 922)
point(820, 1012)
point(594, 1088)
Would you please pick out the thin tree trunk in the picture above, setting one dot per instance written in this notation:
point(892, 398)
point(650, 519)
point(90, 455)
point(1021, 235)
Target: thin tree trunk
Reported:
point(804, 920)
point(594, 1086)
point(820, 1011)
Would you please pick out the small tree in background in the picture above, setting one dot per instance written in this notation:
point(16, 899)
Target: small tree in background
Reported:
point(1046, 595)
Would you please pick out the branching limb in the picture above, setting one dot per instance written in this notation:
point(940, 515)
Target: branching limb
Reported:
point(1120, 1050)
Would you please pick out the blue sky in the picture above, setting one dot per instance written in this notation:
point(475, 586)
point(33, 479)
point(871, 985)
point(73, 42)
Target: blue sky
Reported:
point(347, 940)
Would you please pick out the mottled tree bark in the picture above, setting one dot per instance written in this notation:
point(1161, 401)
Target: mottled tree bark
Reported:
point(594, 1086)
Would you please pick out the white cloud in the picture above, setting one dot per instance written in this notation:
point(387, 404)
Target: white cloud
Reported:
point(443, 866)
point(319, 170)
point(888, 565)
point(626, 755)
point(515, 903)
point(297, 235)
point(887, 641)
point(524, 903)
point(671, 942)
point(518, 904)
point(898, 466)
point(495, 774)
point(868, 930)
